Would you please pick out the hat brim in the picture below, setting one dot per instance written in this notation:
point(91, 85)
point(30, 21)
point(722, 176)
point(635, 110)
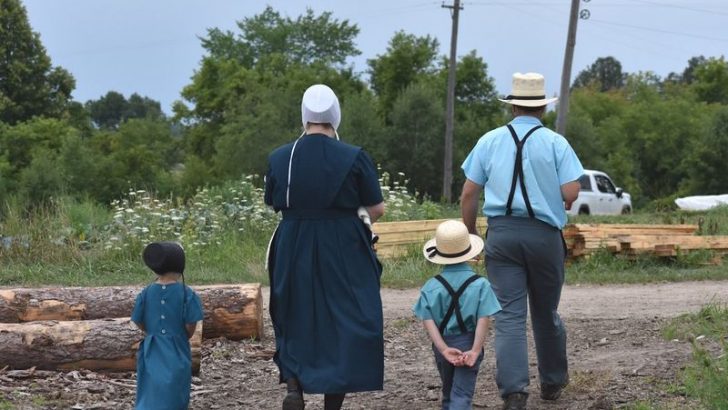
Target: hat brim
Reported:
point(529, 103)
point(476, 247)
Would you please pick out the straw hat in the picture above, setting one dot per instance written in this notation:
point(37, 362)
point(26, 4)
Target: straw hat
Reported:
point(528, 90)
point(320, 105)
point(452, 244)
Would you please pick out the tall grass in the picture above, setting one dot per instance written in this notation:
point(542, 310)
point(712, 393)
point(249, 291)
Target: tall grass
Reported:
point(706, 377)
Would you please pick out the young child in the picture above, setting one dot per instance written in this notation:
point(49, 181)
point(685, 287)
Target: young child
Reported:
point(455, 307)
point(167, 311)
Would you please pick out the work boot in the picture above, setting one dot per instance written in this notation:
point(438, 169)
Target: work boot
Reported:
point(333, 401)
point(294, 398)
point(515, 401)
point(553, 391)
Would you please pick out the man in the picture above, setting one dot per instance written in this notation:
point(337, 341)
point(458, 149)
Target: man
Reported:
point(530, 177)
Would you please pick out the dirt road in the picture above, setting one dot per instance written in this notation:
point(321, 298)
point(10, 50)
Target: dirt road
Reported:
point(617, 357)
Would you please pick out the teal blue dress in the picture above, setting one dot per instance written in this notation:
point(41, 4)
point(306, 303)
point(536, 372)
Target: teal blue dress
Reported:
point(164, 359)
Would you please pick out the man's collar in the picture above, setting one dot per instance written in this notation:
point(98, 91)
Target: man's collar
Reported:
point(526, 119)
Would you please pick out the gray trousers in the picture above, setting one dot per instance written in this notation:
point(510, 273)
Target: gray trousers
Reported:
point(458, 383)
point(525, 264)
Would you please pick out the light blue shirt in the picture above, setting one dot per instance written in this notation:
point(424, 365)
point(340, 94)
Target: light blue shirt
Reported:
point(477, 301)
point(548, 162)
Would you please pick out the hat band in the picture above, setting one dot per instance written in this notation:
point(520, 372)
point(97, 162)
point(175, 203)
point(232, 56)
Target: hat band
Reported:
point(514, 97)
point(433, 252)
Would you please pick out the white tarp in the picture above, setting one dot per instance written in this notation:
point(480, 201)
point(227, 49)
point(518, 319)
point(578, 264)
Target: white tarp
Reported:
point(701, 202)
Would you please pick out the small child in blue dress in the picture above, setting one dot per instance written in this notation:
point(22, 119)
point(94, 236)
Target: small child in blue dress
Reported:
point(167, 311)
point(455, 307)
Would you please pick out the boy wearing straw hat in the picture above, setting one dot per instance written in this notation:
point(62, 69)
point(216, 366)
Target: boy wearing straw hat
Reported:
point(530, 177)
point(455, 307)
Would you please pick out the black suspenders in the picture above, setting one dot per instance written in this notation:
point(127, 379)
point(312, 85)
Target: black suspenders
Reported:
point(454, 303)
point(518, 171)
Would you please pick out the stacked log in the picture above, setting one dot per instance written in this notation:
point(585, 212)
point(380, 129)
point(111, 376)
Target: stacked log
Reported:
point(233, 312)
point(72, 328)
point(99, 345)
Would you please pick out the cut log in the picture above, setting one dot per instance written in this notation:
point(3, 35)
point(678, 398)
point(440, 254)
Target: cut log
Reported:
point(231, 311)
point(99, 345)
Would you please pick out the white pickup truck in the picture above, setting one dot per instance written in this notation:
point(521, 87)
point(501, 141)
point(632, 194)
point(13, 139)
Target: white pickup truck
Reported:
point(599, 196)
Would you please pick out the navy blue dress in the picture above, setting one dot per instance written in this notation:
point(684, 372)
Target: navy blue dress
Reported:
point(164, 358)
point(324, 302)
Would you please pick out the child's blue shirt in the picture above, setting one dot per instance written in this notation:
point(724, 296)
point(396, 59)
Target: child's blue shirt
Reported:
point(476, 302)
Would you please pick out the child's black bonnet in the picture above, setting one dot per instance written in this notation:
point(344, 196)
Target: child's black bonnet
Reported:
point(164, 257)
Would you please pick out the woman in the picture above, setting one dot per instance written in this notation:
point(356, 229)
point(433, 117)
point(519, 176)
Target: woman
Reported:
point(324, 276)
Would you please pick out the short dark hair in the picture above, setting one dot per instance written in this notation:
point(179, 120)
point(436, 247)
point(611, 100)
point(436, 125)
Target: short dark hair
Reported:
point(530, 110)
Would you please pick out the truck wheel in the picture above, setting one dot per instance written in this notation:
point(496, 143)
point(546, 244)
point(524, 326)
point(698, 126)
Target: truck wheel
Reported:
point(626, 210)
point(584, 210)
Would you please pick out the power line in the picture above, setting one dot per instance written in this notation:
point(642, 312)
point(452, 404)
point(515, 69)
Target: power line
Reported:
point(676, 6)
point(657, 30)
point(400, 9)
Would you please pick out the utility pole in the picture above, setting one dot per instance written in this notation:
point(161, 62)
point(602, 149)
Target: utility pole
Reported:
point(450, 106)
point(566, 72)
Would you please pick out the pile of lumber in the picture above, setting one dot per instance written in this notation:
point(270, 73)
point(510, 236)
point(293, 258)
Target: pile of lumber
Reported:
point(401, 238)
point(89, 328)
point(631, 240)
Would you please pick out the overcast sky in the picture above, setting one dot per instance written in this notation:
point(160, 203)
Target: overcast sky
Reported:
point(151, 46)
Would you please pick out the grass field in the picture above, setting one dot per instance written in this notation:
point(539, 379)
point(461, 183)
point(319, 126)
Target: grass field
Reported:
point(226, 230)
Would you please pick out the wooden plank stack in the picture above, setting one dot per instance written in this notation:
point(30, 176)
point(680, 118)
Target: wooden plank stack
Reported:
point(585, 239)
point(582, 240)
point(401, 238)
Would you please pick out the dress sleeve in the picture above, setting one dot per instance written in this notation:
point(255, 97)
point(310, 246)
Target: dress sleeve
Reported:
point(269, 183)
point(370, 193)
point(488, 304)
point(137, 315)
point(194, 312)
point(421, 309)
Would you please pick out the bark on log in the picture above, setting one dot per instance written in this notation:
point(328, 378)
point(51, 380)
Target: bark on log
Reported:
point(231, 311)
point(99, 345)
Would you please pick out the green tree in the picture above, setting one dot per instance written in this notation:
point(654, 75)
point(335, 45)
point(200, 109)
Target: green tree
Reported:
point(416, 139)
point(307, 39)
point(605, 71)
point(112, 109)
point(408, 59)
point(141, 154)
point(29, 85)
point(245, 98)
point(711, 81)
point(707, 165)
point(22, 143)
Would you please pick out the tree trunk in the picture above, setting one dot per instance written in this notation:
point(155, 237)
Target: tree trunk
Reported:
point(231, 311)
point(109, 345)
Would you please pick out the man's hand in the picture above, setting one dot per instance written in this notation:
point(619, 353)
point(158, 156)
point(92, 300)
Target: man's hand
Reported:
point(567, 205)
point(453, 355)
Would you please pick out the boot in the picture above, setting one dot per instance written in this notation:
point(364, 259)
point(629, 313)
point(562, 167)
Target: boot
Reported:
point(333, 401)
point(294, 397)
